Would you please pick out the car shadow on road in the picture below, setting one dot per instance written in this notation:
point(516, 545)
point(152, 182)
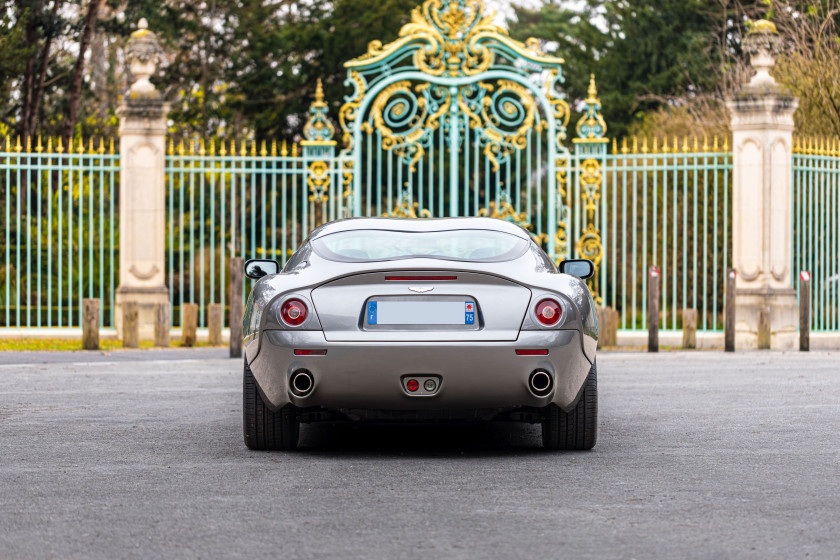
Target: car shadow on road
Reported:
point(476, 440)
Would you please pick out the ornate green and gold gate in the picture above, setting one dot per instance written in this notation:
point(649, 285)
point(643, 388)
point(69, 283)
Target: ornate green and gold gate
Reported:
point(455, 118)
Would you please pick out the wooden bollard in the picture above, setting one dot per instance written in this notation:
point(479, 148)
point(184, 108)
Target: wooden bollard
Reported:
point(90, 324)
point(162, 322)
point(607, 327)
point(130, 325)
point(189, 324)
point(603, 319)
point(653, 309)
point(729, 313)
point(214, 324)
point(764, 328)
point(237, 308)
point(804, 311)
point(689, 320)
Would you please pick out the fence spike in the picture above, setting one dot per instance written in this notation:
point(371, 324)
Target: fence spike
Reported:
point(705, 143)
point(81, 147)
point(101, 145)
point(624, 145)
point(635, 145)
point(18, 147)
point(263, 151)
point(28, 144)
point(253, 148)
point(696, 148)
point(60, 147)
point(201, 150)
point(222, 151)
point(284, 149)
point(39, 148)
point(810, 149)
point(655, 148)
point(797, 148)
point(726, 143)
point(644, 145)
point(685, 147)
point(294, 149)
point(614, 146)
point(49, 145)
point(665, 145)
point(111, 146)
point(91, 149)
point(191, 143)
point(274, 148)
point(212, 146)
point(715, 143)
point(822, 145)
point(243, 148)
point(181, 147)
point(834, 147)
point(171, 150)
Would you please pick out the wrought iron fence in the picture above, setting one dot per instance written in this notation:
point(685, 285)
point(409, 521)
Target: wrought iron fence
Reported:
point(665, 203)
point(60, 233)
point(816, 226)
point(239, 199)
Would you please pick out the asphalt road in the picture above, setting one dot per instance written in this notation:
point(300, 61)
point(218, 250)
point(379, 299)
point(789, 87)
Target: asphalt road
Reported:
point(700, 455)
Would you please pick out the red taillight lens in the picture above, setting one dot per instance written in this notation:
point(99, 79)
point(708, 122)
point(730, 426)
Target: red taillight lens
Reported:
point(293, 312)
point(548, 312)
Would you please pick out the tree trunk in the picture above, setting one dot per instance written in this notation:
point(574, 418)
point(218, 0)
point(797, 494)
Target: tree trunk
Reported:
point(75, 93)
point(38, 90)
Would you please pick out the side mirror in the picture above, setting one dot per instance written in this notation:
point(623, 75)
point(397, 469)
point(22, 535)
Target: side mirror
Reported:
point(257, 268)
point(582, 268)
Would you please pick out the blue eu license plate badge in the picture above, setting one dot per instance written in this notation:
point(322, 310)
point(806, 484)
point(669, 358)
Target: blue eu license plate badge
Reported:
point(469, 315)
point(371, 313)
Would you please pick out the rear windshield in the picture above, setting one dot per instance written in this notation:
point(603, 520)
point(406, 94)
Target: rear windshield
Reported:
point(457, 245)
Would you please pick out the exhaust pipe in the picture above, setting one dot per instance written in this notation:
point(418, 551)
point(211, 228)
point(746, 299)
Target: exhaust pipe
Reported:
point(540, 382)
point(302, 383)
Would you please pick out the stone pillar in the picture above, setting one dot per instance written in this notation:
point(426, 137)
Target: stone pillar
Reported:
point(762, 131)
point(142, 114)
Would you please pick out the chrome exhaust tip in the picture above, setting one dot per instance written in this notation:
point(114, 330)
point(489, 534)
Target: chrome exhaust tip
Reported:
point(302, 383)
point(540, 382)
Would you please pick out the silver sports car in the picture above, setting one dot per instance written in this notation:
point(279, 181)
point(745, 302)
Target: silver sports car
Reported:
point(419, 320)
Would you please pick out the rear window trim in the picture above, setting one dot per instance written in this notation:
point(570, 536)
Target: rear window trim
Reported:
point(518, 250)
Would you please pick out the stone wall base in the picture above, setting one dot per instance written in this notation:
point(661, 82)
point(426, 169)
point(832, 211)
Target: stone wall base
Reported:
point(751, 307)
point(146, 299)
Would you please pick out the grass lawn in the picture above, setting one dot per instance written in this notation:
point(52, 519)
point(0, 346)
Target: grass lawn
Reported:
point(64, 344)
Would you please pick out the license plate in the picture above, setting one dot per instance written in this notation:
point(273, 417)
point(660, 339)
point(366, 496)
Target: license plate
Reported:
point(421, 313)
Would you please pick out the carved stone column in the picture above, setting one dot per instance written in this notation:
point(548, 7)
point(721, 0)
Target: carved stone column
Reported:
point(762, 130)
point(142, 114)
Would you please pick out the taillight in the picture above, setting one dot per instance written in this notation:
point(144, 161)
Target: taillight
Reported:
point(548, 312)
point(293, 312)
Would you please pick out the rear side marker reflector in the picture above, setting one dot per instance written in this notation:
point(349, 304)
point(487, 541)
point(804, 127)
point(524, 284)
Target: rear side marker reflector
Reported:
point(532, 352)
point(310, 352)
point(416, 278)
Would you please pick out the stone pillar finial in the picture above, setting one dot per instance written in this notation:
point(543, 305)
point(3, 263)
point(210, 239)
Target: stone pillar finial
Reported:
point(142, 112)
point(143, 53)
point(762, 43)
point(762, 130)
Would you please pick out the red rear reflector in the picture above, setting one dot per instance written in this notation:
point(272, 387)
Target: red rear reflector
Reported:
point(310, 352)
point(412, 385)
point(532, 352)
point(416, 278)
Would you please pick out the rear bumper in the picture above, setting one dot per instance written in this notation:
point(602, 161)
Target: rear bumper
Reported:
point(367, 376)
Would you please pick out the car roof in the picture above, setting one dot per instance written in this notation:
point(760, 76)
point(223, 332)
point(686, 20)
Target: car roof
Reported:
point(420, 225)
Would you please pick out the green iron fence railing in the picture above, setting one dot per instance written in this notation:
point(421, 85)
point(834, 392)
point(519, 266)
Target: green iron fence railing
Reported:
point(60, 235)
point(816, 227)
point(666, 206)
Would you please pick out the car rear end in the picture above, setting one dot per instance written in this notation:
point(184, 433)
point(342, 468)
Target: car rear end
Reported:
point(422, 338)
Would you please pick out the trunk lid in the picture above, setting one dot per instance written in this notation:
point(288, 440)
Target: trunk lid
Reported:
point(421, 306)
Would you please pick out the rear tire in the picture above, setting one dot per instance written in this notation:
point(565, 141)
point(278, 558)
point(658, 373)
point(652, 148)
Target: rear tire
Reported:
point(263, 429)
point(577, 429)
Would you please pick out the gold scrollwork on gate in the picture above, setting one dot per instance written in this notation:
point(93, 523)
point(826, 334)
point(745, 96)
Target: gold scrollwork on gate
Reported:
point(589, 244)
point(318, 181)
